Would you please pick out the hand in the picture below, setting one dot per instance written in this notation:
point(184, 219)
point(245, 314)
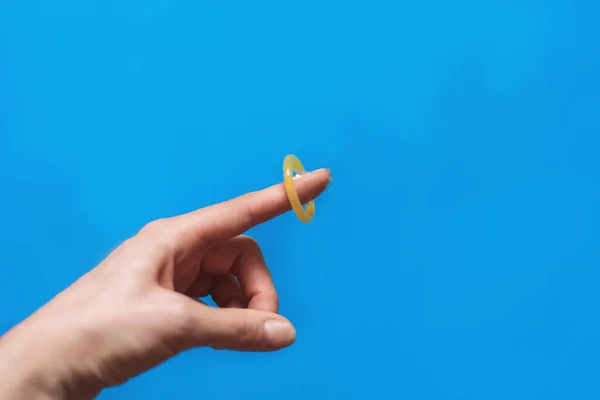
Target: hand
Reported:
point(139, 306)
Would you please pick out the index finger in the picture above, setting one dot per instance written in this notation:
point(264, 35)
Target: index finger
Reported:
point(233, 217)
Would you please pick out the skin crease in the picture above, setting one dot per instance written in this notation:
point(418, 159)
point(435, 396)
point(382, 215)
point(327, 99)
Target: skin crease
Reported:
point(139, 306)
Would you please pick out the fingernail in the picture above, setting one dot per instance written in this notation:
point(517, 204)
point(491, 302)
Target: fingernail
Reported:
point(323, 169)
point(330, 175)
point(279, 333)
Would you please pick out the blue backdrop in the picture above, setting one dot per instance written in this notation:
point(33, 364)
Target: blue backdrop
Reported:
point(456, 254)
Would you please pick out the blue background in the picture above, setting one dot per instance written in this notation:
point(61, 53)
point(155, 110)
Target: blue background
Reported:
point(456, 254)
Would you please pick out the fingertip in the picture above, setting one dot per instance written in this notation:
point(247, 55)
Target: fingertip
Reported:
point(279, 333)
point(312, 184)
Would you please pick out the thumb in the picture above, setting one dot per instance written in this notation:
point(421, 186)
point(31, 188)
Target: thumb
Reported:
point(244, 329)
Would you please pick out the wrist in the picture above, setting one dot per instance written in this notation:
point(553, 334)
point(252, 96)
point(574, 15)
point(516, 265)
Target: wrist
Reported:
point(35, 365)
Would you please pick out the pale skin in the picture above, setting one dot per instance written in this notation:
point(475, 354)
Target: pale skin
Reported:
point(140, 306)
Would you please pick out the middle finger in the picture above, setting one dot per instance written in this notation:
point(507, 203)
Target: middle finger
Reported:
point(242, 257)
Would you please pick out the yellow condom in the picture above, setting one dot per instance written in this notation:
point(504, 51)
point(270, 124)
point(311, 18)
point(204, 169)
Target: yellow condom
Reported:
point(291, 165)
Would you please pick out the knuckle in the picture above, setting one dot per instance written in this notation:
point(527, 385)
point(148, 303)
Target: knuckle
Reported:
point(160, 233)
point(154, 228)
point(249, 242)
point(250, 246)
point(247, 210)
point(182, 319)
point(247, 333)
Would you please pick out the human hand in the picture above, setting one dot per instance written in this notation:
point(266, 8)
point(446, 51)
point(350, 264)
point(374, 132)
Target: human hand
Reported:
point(139, 306)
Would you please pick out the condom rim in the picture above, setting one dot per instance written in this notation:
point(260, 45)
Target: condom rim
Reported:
point(292, 164)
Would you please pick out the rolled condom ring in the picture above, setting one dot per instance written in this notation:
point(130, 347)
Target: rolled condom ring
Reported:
point(291, 166)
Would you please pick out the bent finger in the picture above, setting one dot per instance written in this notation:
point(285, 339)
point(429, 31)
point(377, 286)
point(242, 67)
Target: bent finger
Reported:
point(242, 257)
point(226, 292)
